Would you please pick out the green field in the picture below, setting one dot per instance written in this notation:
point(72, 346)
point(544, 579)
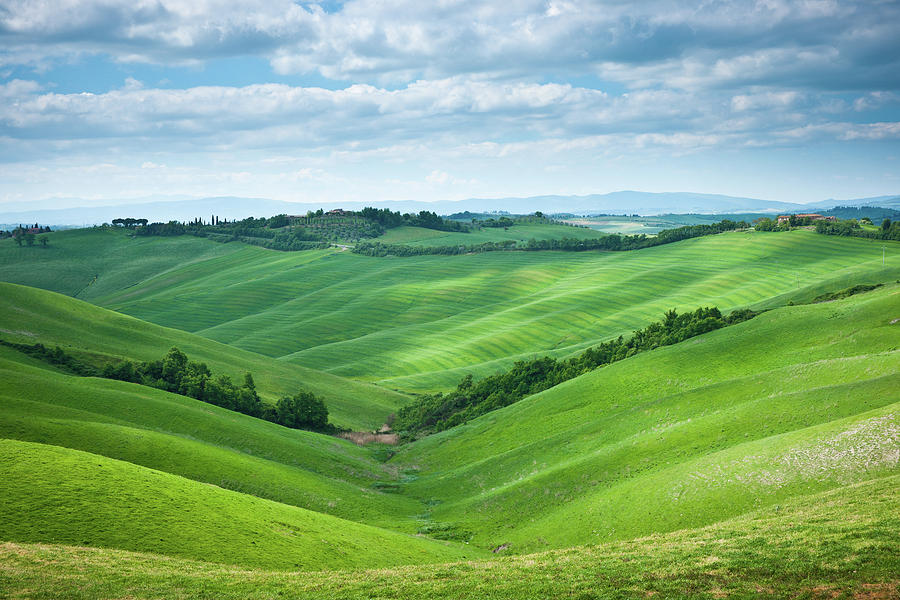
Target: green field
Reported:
point(834, 544)
point(422, 323)
point(522, 232)
point(758, 459)
point(28, 315)
point(733, 420)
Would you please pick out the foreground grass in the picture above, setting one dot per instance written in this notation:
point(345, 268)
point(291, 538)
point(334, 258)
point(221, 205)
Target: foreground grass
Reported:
point(838, 544)
point(199, 441)
point(72, 497)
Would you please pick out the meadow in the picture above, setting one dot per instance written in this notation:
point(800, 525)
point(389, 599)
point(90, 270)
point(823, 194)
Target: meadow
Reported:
point(757, 459)
point(420, 324)
point(834, 544)
point(29, 315)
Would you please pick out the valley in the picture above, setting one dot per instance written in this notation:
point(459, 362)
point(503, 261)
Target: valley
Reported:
point(731, 454)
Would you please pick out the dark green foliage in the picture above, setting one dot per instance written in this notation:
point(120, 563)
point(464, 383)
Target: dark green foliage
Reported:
point(889, 230)
point(873, 213)
point(303, 411)
point(379, 249)
point(55, 356)
point(176, 374)
point(129, 222)
point(610, 242)
point(433, 413)
point(856, 289)
point(316, 230)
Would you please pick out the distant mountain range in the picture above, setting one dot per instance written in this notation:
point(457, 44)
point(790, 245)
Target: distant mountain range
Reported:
point(229, 207)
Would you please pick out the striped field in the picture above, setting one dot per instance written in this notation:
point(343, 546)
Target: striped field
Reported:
point(422, 323)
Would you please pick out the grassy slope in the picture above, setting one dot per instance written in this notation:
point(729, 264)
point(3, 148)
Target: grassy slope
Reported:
point(419, 236)
point(833, 543)
point(29, 315)
point(88, 263)
point(198, 441)
point(422, 323)
point(72, 497)
point(794, 401)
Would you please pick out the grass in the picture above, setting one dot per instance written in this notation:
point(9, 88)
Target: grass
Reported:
point(837, 544)
point(419, 236)
point(759, 459)
point(30, 315)
point(730, 421)
point(74, 497)
point(198, 441)
point(423, 323)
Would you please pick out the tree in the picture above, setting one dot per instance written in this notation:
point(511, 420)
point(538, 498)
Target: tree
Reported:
point(44, 241)
point(29, 239)
point(303, 411)
point(886, 225)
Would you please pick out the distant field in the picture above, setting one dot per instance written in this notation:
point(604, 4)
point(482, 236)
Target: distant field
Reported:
point(655, 224)
point(419, 236)
point(422, 323)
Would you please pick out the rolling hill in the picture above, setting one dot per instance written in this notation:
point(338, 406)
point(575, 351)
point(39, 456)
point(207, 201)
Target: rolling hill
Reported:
point(29, 315)
point(761, 458)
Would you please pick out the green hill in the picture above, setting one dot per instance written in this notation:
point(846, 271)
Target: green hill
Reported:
point(794, 401)
point(761, 458)
point(520, 232)
point(29, 315)
point(199, 441)
point(840, 543)
point(422, 323)
point(72, 497)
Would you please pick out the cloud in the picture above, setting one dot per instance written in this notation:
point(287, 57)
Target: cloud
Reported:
point(823, 44)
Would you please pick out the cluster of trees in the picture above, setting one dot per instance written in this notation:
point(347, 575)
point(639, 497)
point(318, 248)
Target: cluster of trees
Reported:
point(470, 399)
point(284, 232)
point(175, 373)
point(28, 235)
point(847, 292)
point(55, 356)
point(129, 222)
point(889, 230)
point(501, 222)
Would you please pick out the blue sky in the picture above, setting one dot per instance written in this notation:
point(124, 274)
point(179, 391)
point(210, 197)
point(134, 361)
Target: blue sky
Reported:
point(107, 100)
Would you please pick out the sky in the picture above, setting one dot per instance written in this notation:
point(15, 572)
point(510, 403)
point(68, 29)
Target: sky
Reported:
point(102, 101)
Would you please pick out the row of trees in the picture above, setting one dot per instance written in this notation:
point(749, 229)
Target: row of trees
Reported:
point(889, 230)
point(470, 399)
point(175, 373)
point(613, 242)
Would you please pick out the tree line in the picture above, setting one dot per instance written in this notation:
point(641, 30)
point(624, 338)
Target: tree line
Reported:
point(175, 373)
point(613, 242)
point(437, 412)
point(889, 230)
